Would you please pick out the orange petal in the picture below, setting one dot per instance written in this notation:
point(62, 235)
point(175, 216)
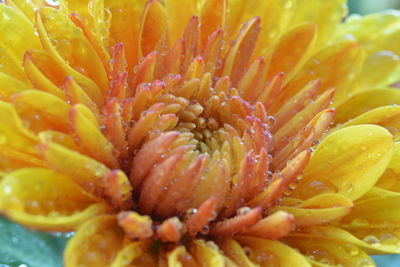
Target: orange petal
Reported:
point(136, 226)
point(275, 226)
point(171, 230)
point(288, 60)
point(152, 28)
point(237, 224)
point(241, 51)
point(117, 188)
point(202, 217)
point(212, 17)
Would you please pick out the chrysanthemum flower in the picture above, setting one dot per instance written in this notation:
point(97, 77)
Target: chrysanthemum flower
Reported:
point(185, 133)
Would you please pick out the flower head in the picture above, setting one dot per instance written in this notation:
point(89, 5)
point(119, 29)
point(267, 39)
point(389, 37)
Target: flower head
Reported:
point(197, 132)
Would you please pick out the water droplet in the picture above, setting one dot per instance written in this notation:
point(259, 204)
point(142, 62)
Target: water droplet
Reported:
point(205, 230)
point(271, 120)
point(346, 186)
point(372, 240)
point(52, 3)
point(359, 222)
point(247, 250)
point(243, 210)
point(351, 249)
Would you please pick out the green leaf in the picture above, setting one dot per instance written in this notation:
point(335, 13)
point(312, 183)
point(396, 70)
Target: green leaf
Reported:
point(20, 247)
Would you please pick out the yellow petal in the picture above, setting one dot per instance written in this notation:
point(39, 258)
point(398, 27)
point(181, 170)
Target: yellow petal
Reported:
point(234, 251)
point(9, 86)
point(91, 137)
point(271, 253)
point(349, 161)
point(390, 179)
point(44, 199)
point(288, 59)
point(11, 65)
point(318, 210)
point(326, 15)
point(321, 252)
point(76, 94)
point(207, 253)
point(380, 69)
point(337, 65)
point(127, 14)
point(382, 65)
point(365, 101)
point(44, 17)
point(38, 78)
point(386, 116)
point(180, 257)
point(135, 254)
point(16, 41)
point(51, 110)
point(333, 234)
point(96, 243)
point(72, 46)
point(376, 211)
point(14, 132)
point(85, 171)
point(12, 159)
point(179, 14)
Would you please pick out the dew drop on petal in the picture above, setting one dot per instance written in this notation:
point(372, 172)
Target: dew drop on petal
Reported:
point(351, 249)
point(371, 240)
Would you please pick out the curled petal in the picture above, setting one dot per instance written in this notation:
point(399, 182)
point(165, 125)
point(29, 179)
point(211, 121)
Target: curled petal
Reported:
point(135, 225)
point(180, 257)
point(46, 200)
point(96, 243)
point(171, 230)
point(118, 189)
point(207, 253)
